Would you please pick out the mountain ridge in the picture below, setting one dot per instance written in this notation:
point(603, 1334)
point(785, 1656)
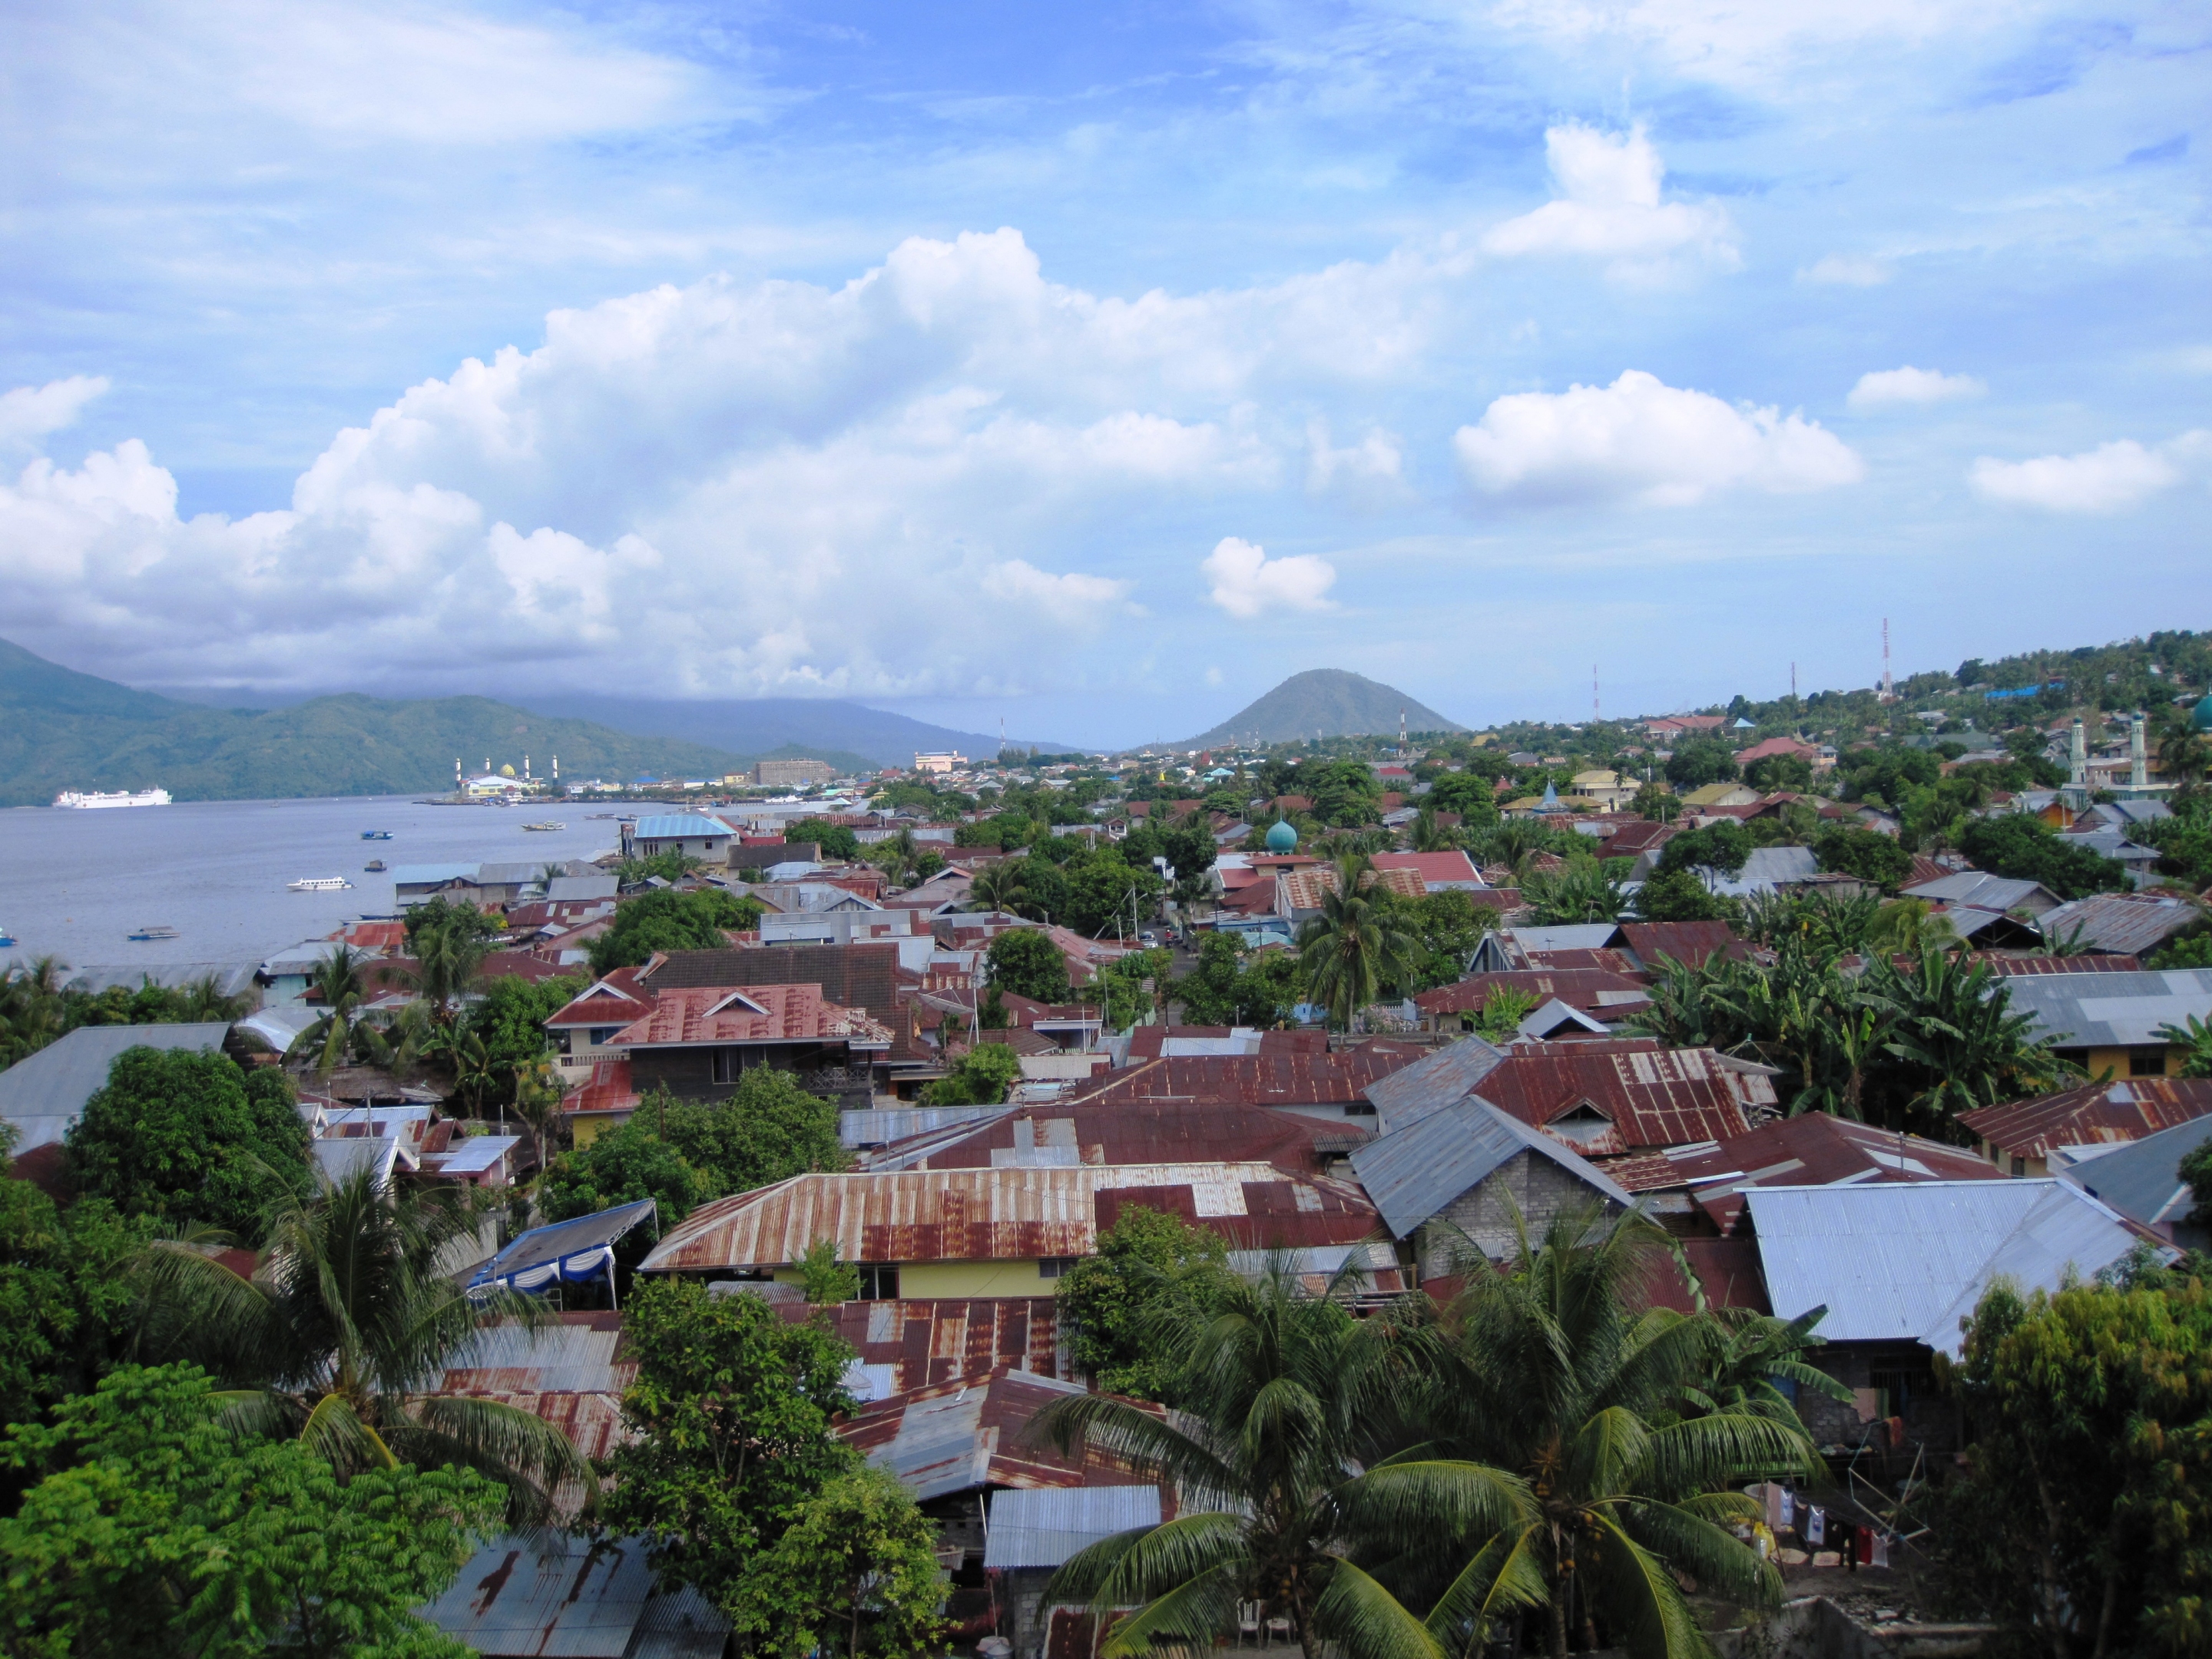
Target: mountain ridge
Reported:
point(1330, 702)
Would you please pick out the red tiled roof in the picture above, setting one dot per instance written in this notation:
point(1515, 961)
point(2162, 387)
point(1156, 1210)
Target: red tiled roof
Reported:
point(1578, 988)
point(614, 999)
point(2124, 1109)
point(1767, 747)
point(756, 1013)
point(1260, 1079)
point(863, 976)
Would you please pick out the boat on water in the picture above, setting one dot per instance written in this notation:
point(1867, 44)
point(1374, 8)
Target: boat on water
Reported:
point(7, 939)
point(376, 835)
point(158, 930)
point(320, 884)
point(373, 864)
point(82, 798)
point(548, 824)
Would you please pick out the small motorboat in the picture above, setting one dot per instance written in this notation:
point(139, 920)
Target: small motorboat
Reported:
point(374, 866)
point(376, 835)
point(7, 939)
point(321, 885)
point(154, 931)
point(548, 825)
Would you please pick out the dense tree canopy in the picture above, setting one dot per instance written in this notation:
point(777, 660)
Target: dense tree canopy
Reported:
point(665, 919)
point(186, 1136)
point(1153, 1276)
point(1024, 962)
point(982, 1076)
point(2026, 849)
point(1698, 762)
point(509, 1020)
point(1867, 854)
point(854, 1575)
point(66, 1301)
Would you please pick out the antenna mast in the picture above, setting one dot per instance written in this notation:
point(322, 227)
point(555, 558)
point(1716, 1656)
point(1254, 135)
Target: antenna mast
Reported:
point(1597, 709)
point(1888, 685)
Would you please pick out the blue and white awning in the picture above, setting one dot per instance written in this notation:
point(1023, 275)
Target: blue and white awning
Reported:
point(568, 1252)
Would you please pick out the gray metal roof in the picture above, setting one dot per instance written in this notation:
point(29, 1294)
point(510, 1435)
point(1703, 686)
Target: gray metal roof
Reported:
point(576, 889)
point(534, 1255)
point(880, 1125)
point(2122, 923)
point(1413, 1172)
point(431, 875)
point(1569, 936)
point(43, 1094)
point(1044, 1526)
point(2111, 1010)
point(1981, 890)
point(340, 1161)
point(1767, 868)
point(1906, 1262)
point(2141, 1179)
point(578, 1599)
point(561, 1358)
point(1451, 1073)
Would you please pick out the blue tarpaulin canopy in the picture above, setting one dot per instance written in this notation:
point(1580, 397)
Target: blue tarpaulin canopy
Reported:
point(569, 1251)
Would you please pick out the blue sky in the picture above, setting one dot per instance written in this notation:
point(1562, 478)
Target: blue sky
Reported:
point(1099, 366)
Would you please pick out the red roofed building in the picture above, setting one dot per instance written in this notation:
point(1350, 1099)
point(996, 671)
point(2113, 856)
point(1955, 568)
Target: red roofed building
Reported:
point(1681, 726)
point(1439, 871)
point(696, 1043)
point(1768, 747)
point(2017, 1138)
point(1140, 1132)
point(1327, 1086)
point(583, 1032)
point(1600, 992)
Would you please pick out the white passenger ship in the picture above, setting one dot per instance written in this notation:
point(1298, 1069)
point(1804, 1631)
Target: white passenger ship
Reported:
point(117, 797)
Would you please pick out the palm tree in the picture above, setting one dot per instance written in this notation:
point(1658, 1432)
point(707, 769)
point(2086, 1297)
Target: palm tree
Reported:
point(31, 1007)
point(1910, 926)
point(1954, 1022)
point(1543, 1372)
point(1356, 949)
point(996, 886)
point(1283, 1399)
point(2185, 754)
point(1582, 892)
point(339, 984)
point(351, 1310)
point(1429, 836)
point(449, 944)
point(1750, 1354)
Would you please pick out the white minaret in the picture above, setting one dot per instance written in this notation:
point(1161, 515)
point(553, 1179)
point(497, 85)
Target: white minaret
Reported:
point(526, 769)
point(2138, 760)
point(556, 768)
point(2078, 772)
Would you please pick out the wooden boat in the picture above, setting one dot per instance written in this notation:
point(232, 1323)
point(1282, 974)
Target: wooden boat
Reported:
point(373, 864)
point(547, 825)
point(154, 931)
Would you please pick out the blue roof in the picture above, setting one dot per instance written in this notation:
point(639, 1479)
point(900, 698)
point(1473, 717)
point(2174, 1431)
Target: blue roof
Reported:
point(577, 1249)
point(429, 875)
point(675, 826)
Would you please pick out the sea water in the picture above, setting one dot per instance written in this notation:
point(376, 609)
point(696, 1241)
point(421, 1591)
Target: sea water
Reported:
point(75, 883)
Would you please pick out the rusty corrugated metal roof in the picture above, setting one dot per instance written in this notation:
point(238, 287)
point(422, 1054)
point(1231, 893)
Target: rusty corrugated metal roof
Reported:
point(910, 1345)
point(1260, 1079)
point(2124, 1109)
point(1135, 1132)
point(752, 1013)
point(1000, 1214)
point(1599, 991)
point(975, 1432)
point(1813, 1149)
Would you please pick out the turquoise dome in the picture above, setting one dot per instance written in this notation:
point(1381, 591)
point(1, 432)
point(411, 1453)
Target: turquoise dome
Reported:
point(1281, 838)
point(2201, 720)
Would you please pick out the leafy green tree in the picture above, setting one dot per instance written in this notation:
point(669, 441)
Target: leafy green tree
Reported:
point(1884, 775)
point(1867, 854)
point(729, 1420)
point(2025, 848)
point(1503, 1009)
point(1473, 797)
point(982, 1077)
point(665, 919)
point(1025, 963)
point(836, 841)
point(157, 1530)
point(1445, 926)
point(1750, 1356)
point(2079, 1520)
point(2186, 950)
point(1774, 772)
point(854, 1574)
point(1698, 762)
point(1123, 984)
point(1908, 926)
point(2193, 1037)
point(628, 1163)
point(351, 1305)
point(1720, 848)
point(187, 1137)
point(1104, 894)
point(1358, 948)
point(828, 1281)
point(1582, 892)
point(1151, 1272)
point(509, 1021)
point(339, 983)
point(67, 1308)
point(1208, 992)
point(448, 943)
point(1679, 895)
point(1654, 800)
point(1343, 792)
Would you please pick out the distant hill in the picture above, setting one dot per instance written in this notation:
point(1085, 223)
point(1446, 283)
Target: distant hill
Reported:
point(62, 730)
point(805, 726)
point(1329, 702)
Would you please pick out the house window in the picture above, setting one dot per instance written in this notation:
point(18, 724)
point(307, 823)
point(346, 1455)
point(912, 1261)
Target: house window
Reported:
point(1054, 1267)
point(2019, 1165)
point(1360, 1109)
point(728, 1062)
point(603, 1034)
point(561, 1044)
point(879, 1281)
point(2146, 1062)
point(1900, 1380)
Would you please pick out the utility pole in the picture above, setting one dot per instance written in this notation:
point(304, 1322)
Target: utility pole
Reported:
point(1888, 685)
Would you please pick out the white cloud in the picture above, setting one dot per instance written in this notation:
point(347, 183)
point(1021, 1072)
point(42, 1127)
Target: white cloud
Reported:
point(30, 412)
point(1643, 441)
point(1372, 471)
point(2109, 478)
point(1608, 205)
point(1246, 582)
point(1846, 271)
point(1886, 387)
point(1072, 599)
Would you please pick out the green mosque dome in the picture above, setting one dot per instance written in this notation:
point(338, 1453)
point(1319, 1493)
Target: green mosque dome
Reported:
point(2201, 720)
point(1281, 838)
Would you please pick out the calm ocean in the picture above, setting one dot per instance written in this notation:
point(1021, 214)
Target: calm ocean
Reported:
point(74, 883)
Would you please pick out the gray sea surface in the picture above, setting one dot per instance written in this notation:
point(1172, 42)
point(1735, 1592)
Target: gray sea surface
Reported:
point(75, 883)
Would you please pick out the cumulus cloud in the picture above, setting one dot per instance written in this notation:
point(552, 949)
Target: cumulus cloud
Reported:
point(1643, 441)
point(2110, 478)
point(1607, 205)
point(1888, 387)
point(1246, 582)
point(30, 412)
point(1372, 471)
point(1846, 271)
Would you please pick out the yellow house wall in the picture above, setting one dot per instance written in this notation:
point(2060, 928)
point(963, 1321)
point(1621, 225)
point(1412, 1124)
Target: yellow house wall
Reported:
point(586, 1130)
point(922, 1279)
point(2115, 1061)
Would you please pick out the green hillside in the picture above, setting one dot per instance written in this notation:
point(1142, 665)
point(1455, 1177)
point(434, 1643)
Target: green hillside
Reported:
point(1330, 702)
point(62, 730)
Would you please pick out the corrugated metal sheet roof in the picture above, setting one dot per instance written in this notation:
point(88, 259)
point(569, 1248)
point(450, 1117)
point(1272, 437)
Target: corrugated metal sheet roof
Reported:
point(43, 1094)
point(549, 1246)
point(1906, 1262)
point(1982, 891)
point(2099, 1011)
point(1812, 1150)
point(1140, 1131)
point(678, 826)
point(2124, 1109)
point(1689, 942)
point(1260, 1079)
point(1449, 1074)
point(1413, 1172)
point(1000, 1214)
point(758, 1013)
point(973, 1431)
point(2120, 923)
point(1043, 1526)
point(910, 1345)
point(882, 1126)
point(574, 1598)
point(1594, 990)
point(1574, 936)
point(2010, 967)
point(2142, 1180)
